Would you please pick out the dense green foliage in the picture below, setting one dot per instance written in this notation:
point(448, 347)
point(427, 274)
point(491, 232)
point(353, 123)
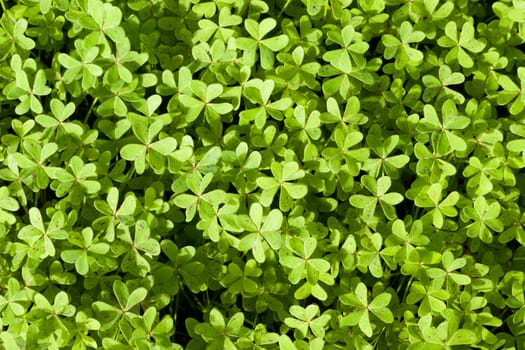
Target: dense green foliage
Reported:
point(247, 174)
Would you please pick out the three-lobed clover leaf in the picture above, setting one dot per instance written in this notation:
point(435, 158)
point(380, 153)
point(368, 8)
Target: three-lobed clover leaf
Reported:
point(283, 175)
point(431, 296)
point(451, 120)
point(432, 197)
point(7, 204)
point(362, 309)
point(57, 123)
point(41, 236)
point(127, 306)
point(386, 164)
point(200, 197)
point(113, 214)
point(259, 92)
point(220, 332)
point(204, 103)
point(257, 42)
point(400, 48)
point(450, 265)
point(263, 231)
point(303, 265)
point(460, 43)
point(306, 320)
point(512, 95)
point(27, 93)
point(88, 252)
point(438, 87)
point(136, 249)
point(84, 68)
point(486, 217)
point(378, 188)
point(480, 175)
point(148, 152)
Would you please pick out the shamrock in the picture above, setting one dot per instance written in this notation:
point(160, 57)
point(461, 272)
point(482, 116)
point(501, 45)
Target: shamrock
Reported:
point(242, 279)
point(408, 240)
point(304, 265)
point(427, 15)
point(76, 182)
point(7, 204)
point(296, 71)
point(113, 215)
point(39, 236)
point(15, 29)
point(362, 309)
point(480, 174)
point(88, 252)
point(49, 314)
point(400, 48)
point(259, 92)
point(185, 266)
point(342, 155)
point(447, 332)
point(148, 152)
point(147, 327)
point(304, 128)
point(84, 69)
point(57, 123)
point(432, 198)
point(378, 188)
point(134, 248)
point(263, 231)
point(122, 61)
point(460, 46)
point(433, 163)
point(451, 120)
point(22, 90)
point(200, 198)
point(220, 334)
point(385, 164)
point(283, 175)
point(127, 307)
point(223, 30)
point(512, 94)
point(352, 51)
point(206, 94)
point(486, 219)
point(266, 47)
point(432, 297)
point(450, 264)
point(438, 87)
point(305, 320)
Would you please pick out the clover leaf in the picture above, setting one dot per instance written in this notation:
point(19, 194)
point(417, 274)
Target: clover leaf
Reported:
point(460, 43)
point(255, 43)
point(378, 188)
point(400, 48)
point(361, 316)
point(283, 175)
point(263, 232)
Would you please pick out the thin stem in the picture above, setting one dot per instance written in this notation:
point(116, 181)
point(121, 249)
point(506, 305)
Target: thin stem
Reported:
point(4, 9)
point(176, 310)
point(407, 288)
point(90, 108)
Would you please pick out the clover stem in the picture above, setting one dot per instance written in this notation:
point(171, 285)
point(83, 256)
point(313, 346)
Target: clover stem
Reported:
point(407, 288)
point(176, 310)
point(3, 6)
point(90, 108)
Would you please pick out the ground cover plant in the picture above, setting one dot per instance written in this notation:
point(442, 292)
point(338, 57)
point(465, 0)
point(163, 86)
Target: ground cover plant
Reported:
point(247, 174)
